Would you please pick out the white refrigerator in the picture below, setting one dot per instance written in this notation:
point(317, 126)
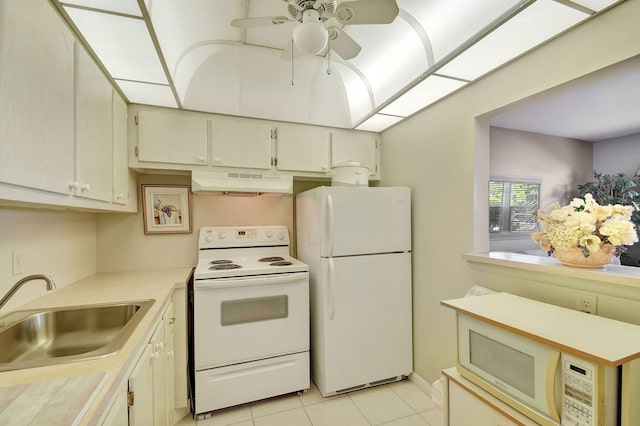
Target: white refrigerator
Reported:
point(357, 243)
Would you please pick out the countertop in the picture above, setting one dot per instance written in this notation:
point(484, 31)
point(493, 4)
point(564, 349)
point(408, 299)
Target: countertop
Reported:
point(112, 370)
point(618, 280)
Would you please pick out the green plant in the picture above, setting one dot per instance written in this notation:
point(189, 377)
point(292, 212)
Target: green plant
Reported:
point(613, 189)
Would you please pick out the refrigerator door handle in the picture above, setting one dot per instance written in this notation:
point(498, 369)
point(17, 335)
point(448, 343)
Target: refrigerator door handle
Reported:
point(330, 225)
point(332, 290)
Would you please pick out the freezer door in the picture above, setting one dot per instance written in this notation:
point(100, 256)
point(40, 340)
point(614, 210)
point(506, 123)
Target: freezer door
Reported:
point(361, 321)
point(365, 220)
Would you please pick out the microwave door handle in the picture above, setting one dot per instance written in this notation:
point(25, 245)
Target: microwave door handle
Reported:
point(550, 384)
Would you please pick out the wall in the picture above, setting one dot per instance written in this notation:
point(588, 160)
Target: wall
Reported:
point(123, 245)
point(560, 163)
point(619, 155)
point(59, 243)
point(442, 153)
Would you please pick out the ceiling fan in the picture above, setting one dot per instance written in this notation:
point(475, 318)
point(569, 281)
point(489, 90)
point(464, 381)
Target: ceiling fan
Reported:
point(312, 35)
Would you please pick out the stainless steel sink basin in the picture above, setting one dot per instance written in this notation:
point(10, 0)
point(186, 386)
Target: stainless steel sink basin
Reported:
point(39, 337)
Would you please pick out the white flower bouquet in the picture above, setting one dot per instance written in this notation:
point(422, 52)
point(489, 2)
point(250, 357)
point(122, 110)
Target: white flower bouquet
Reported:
point(587, 226)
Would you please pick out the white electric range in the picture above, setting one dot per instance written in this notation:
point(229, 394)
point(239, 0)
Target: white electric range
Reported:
point(248, 318)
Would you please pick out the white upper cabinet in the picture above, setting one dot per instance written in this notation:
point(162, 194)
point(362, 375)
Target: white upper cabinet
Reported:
point(120, 161)
point(94, 140)
point(238, 142)
point(351, 145)
point(172, 137)
point(303, 148)
point(36, 97)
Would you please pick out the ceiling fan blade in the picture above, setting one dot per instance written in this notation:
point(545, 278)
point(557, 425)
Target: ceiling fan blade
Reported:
point(342, 43)
point(367, 12)
point(244, 23)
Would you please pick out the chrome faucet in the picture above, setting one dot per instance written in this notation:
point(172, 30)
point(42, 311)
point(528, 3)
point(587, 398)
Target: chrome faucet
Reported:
point(47, 279)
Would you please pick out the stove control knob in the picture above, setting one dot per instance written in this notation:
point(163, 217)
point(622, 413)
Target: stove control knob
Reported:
point(281, 235)
point(208, 236)
point(222, 235)
point(269, 233)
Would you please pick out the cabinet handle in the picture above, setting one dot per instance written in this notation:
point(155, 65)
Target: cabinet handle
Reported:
point(172, 320)
point(154, 355)
point(201, 159)
point(119, 196)
point(74, 185)
point(216, 160)
point(85, 188)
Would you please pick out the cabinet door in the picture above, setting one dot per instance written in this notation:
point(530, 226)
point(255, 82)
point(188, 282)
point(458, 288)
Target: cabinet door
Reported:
point(36, 97)
point(169, 322)
point(465, 409)
point(351, 145)
point(303, 148)
point(117, 414)
point(94, 141)
point(241, 143)
point(141, 385)
point(158, 368)
point(179, 330)
point(172, 137)
point(120, 163)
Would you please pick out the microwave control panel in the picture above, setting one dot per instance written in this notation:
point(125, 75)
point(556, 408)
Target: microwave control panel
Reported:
point(579, 392)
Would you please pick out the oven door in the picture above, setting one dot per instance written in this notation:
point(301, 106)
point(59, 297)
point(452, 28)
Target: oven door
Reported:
point(250, 318)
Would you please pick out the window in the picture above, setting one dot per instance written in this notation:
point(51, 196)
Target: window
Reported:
point(512, 206)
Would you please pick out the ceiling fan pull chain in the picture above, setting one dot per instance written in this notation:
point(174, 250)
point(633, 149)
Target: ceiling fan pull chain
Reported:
point(328, 54)
point(292, 68)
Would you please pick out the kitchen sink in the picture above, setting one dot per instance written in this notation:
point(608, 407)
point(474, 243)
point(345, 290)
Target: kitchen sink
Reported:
point(40, 337)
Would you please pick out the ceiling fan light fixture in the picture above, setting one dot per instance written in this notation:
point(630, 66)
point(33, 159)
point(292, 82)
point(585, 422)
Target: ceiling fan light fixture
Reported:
point(310, 36)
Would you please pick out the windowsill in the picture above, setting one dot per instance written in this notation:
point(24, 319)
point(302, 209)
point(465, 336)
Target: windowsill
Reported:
point(617, 280)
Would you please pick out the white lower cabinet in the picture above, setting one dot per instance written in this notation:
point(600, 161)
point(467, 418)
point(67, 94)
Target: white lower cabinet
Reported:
point(146, 397)
point(468, 404)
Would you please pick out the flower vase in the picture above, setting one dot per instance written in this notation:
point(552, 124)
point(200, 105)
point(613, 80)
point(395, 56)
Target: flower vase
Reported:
point(574, 257)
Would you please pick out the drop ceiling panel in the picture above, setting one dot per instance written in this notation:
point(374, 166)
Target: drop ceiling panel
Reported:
point(450, 23)
point(596, 5)
point(537, 23)
point(123, 45)
point(128, 7)
point(379, 122)
point(149, 94)
point(422, 95)
point(391, 56)
point(181, 29)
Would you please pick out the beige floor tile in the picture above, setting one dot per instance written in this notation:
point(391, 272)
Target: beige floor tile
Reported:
point(312, 396)
point(336, 412)
point(415, 420)
point(413, 395)
point(275, 405)
point(228, 416)
point(434, 417)
point(296, 417)
point(381, 404)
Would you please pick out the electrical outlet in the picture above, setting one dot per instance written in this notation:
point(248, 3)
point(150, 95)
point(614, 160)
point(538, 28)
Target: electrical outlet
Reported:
point(587, 303)
point(17, 257)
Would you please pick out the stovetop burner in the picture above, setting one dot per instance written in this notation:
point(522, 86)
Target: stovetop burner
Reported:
point(281, 263)
point(224, 266)
point(220, 262)
point(271, 259)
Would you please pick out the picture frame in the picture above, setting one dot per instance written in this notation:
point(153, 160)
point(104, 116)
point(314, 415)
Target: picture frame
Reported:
point(166, 209)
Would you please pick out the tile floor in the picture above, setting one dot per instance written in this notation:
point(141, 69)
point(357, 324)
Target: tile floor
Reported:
point(394, 404)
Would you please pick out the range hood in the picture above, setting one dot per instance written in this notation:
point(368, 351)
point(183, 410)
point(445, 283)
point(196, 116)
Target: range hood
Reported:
point(240, 183)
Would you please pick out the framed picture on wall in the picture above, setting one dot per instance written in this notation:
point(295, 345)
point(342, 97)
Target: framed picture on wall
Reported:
point(166, 209)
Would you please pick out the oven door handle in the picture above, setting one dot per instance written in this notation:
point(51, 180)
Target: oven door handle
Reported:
point(212, 284)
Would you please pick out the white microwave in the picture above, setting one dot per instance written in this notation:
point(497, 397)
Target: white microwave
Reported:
point(550, 386)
